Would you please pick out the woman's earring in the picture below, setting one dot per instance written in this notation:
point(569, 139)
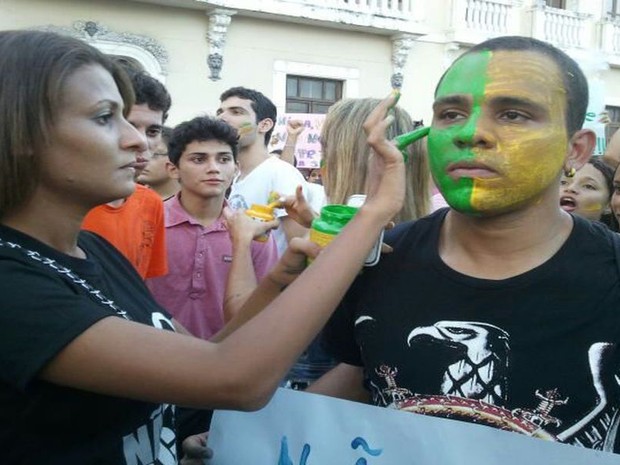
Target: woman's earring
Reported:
point(570, 173)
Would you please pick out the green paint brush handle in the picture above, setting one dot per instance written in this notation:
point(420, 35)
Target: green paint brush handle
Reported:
point(404, 140)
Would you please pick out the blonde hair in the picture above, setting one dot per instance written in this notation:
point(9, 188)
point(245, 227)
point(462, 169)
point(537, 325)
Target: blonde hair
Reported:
point(345, 156)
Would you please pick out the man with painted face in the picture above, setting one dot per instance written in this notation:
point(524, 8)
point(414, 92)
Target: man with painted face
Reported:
point(502, 309)
point(260, 175)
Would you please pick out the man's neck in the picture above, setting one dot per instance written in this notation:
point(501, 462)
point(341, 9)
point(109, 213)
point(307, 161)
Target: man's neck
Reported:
point(204, 210)
point(250, 157)
point(503, 246)
point(167, 189)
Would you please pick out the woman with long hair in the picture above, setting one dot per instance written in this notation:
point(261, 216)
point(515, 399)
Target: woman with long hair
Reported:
point(90, 362)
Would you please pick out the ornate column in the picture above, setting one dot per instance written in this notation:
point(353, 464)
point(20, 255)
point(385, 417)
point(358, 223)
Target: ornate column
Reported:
point(219, 21)
point(401, 45)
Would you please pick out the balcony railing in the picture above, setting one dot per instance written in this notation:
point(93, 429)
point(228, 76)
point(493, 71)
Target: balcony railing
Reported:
point(390, 8)
point(563, 28)
point(476, 20)
point(610, 36)
point(397, 16)
point(489, 16)
point(404, 10)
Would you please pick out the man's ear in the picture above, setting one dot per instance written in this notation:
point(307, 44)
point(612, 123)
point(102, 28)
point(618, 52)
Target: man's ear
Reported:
point(173, 171)
point(265, 125)
point(580, 148)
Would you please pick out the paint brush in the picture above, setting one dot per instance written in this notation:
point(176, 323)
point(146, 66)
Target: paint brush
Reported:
point(405, 140)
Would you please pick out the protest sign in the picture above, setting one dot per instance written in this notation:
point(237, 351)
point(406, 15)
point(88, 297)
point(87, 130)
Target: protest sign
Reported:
point(298, 428)
point(308, 148)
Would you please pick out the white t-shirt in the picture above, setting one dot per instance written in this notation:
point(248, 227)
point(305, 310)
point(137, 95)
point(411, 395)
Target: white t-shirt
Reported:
point(315, 195)
point(272, 175)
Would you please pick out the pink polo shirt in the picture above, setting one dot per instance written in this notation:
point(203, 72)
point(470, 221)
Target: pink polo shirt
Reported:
point(198, 264)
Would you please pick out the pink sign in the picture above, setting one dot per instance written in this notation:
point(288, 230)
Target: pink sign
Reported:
point(308, 148)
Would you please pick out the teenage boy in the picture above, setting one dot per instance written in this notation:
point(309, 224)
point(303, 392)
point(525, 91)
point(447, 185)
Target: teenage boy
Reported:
point(156, 175)
point(260, 175)
point(502, 309)
point(135, 225)
point(202, 155)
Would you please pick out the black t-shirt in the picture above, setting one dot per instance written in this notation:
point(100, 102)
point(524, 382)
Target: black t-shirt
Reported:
point(535, 353)
point(41, 311)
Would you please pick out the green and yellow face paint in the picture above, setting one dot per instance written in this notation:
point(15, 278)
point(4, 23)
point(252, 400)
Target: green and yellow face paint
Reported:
point(498, 138)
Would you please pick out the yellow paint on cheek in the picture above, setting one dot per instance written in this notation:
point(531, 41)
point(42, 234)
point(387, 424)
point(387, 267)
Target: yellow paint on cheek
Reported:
point(528, 154)
point(593, 208)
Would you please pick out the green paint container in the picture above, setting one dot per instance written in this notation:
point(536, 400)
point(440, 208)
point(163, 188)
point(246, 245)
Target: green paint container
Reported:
point(329, 224)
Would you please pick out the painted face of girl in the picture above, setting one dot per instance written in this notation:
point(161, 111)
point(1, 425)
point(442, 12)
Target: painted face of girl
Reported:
point(498, 138)
point(585, 194)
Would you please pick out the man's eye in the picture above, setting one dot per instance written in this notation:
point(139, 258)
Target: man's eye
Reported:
point(513, 115)
point(153, 132)
point(451, 115)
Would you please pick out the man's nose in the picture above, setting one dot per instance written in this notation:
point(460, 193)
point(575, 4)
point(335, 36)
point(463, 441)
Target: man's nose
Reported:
point(475, 133)
point(212, 166)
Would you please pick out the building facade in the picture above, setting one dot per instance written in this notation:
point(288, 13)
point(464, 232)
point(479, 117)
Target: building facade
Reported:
point(305, 54)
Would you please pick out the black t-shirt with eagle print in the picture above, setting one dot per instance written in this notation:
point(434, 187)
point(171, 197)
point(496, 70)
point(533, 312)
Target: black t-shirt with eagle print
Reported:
point(536, 353)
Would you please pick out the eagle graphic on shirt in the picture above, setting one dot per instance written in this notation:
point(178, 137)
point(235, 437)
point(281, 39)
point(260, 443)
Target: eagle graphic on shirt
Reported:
point(474, 387)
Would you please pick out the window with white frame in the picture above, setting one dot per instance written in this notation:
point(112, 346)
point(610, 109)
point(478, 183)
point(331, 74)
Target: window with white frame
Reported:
point(557, 4)
point(348, 79)
point(306, 94)
point(614, 116)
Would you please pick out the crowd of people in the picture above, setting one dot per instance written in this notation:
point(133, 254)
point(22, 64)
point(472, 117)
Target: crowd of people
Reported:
point(138, 295)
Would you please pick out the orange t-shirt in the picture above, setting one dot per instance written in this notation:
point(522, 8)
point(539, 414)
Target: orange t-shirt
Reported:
point(136, 229)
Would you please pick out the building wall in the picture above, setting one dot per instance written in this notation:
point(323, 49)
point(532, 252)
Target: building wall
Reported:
point(180, 31)
point(258, 50)
point(252, 47)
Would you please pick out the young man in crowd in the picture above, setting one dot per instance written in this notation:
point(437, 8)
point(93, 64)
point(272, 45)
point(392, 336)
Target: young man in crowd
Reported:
point(135, 225)
point(156, 174)
point(202, 155)
point(502, 309)
point(260, 175)
point(213, 261)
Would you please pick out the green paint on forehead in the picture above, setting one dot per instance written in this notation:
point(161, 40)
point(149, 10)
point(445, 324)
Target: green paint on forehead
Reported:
point(467, 77)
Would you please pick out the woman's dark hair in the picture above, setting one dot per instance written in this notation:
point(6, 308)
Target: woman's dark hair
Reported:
point(201, 129)
point(149, 91)
point(608, 218)
point(34, 68)
point(607, 172)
